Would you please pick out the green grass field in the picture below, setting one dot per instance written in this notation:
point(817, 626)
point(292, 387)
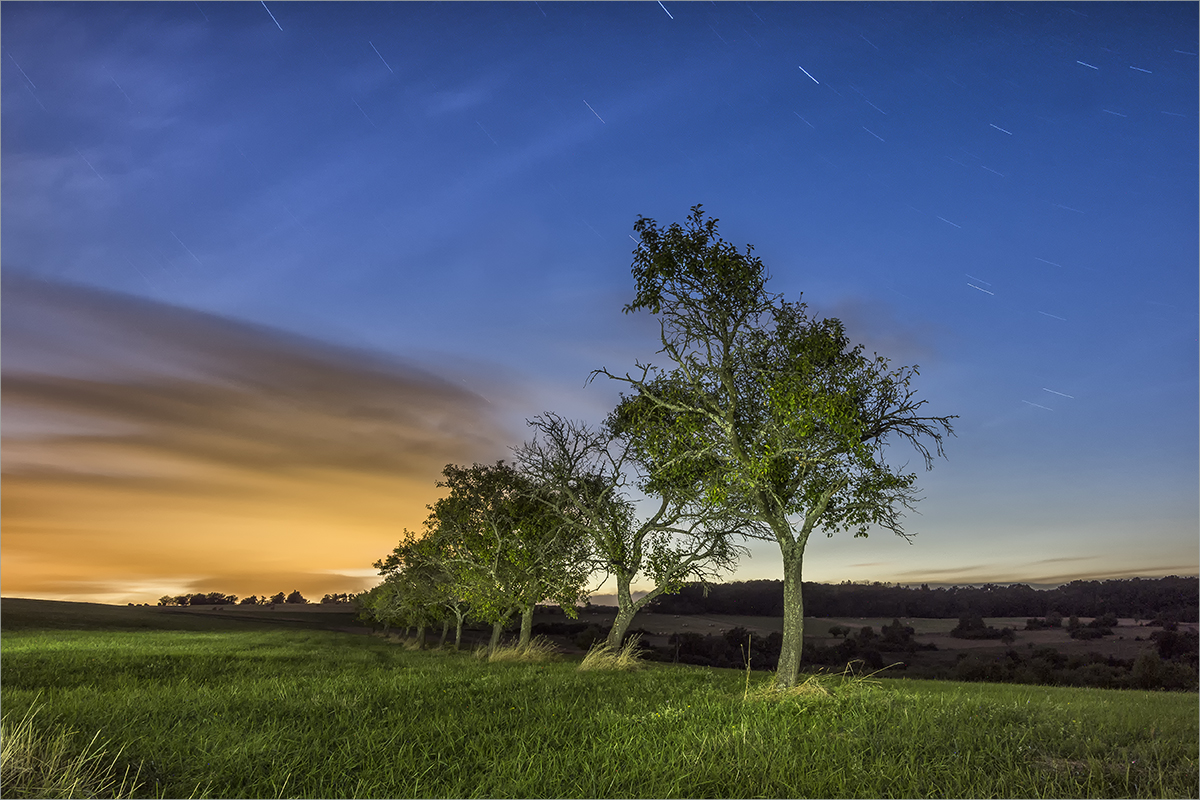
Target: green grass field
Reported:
point(245, 710)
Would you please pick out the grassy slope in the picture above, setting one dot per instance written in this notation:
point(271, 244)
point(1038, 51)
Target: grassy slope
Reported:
point(248, 711)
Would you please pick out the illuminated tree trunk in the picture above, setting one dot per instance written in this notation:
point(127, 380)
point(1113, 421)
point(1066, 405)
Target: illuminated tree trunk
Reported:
point(496, 628)
point(625, 612)
point(421, 635)
point(445, 630)
point(788, 668)
point(626, 608)
point(526, 626)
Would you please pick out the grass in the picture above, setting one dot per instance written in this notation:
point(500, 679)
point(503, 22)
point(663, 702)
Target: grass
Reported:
point(36, 763)
point(603, 657)
point(267, 713)
point(538, 651)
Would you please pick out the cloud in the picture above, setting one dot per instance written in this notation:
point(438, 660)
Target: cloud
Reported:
point(145, 442)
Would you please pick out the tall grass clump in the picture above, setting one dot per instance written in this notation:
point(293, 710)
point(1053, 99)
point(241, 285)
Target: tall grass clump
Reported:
point(603, 657)
point(538, 651)
point(38, 764)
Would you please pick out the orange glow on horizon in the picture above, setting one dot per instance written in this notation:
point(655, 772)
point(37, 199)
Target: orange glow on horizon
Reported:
point(196, 454)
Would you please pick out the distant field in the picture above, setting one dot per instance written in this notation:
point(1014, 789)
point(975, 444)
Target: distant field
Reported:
point(18, 613)
point(239, 709)
point(1122, 644)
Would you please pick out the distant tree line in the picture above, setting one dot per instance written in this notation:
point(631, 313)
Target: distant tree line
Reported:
point(1172, 598)
point(218, 599)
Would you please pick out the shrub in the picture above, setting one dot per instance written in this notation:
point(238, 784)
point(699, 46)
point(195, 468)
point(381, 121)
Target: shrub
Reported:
point(1089, 633)
point(972, 626)
point(589, 636)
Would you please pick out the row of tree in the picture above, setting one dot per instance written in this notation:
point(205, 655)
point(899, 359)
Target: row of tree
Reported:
point(1138, 598)
point(768, 424)
point(218, 599)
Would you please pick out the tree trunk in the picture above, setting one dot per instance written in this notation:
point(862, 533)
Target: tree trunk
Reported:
point(496, 628)
point(421, 635)
point(625, 611)
point(793, 617)
point(526, 626)
point(458, 628)
point(445, 630)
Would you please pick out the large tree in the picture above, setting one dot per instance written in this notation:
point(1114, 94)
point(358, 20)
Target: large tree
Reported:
point(507, 551)
point(775, 412)
point(590, 473)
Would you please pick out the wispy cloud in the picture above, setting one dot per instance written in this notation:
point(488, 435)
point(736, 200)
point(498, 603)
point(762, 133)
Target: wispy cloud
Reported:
point(143, 441)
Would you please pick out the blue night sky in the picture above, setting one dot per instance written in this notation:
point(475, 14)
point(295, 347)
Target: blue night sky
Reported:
point(267, 268)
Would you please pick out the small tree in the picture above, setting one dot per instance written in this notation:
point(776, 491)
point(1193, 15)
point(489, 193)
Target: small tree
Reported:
point(425, 577)
point(279, 598)
point(295, 597)
point(506, 550)
point(383, 604)
point(775, 413)
point(586, 474)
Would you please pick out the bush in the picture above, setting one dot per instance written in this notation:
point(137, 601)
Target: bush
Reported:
point(1147, 671)
point(1089, 633)
point(589, 636)
point(972, 626)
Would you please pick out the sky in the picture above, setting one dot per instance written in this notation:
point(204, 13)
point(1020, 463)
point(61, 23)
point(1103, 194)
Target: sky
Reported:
point(267, 268)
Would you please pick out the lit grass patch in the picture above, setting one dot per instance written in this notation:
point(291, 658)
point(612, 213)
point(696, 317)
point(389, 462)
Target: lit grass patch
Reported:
point(538, 651)
point(603, 657)
point(34, 763)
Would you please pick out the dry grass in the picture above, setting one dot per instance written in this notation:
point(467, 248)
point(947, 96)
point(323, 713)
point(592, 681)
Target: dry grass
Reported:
point(34, 764)
point(810, 687)
point(820, 684)
point(603, 657)
point(538, 651)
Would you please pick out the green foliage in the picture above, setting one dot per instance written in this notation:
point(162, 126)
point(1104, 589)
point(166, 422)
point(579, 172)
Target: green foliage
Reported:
point(491, 548)
point(420, 586)
point(585, 474)
point(765, 411)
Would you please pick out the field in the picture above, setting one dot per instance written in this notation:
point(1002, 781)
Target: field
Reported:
point(246, 708)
